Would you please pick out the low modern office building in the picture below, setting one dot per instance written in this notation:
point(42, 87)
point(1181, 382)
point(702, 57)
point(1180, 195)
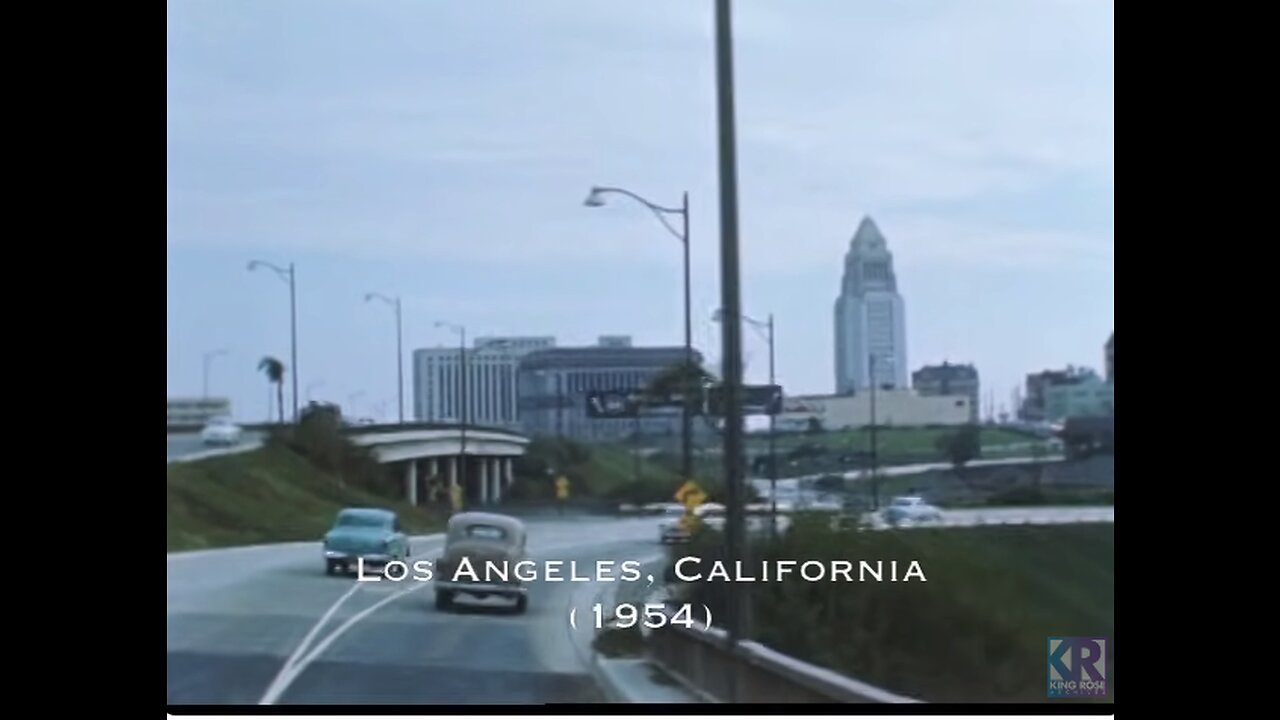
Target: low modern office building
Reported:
point(1035, 403)
point(553, 387)
point(1089, 396)
point(491, 365)
point(893, 408)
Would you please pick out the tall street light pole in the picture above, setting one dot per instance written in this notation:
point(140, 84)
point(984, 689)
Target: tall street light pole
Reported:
point(765, 328)
point(288, 275)
point(208, 359)
point(731, 303)
point(875, 480)
point(596, 199)
point(462, 398)
point(395, 304)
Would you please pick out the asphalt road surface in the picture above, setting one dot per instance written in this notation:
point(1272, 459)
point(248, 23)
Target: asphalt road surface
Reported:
point(266, 625)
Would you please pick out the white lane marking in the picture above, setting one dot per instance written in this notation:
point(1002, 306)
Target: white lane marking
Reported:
point(277, 688)
point(306, 640)
point(294, 667)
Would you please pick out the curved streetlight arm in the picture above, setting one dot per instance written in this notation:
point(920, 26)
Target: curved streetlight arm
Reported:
point(285, 273)
point(393, 302)
point(760, 326)
point(456, 328)
point(660, 212)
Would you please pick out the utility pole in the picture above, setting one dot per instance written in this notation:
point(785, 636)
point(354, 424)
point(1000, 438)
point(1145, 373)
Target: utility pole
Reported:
point(732, 304)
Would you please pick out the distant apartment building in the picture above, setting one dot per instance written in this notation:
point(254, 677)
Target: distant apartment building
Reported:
point(1034, 403)
point(948, 379)
point(893, 408)
point(1088, 396)
point(197, 411)
point(491, 378)
point(553, 386)
point(1111, 358)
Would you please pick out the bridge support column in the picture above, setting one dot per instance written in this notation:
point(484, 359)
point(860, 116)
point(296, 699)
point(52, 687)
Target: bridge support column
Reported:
point(453, 473)
point(411, 482)
point(433, 481)
point(496, 476)
point(508, 471)
point(484, 481)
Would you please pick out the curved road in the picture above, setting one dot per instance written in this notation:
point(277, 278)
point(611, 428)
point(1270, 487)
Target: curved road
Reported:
point(266, 625)
point(189, 446)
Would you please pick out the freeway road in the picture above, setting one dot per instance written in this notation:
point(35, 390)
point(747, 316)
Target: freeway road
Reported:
point(266, 625)
point(1015, 516)
point(188, 446)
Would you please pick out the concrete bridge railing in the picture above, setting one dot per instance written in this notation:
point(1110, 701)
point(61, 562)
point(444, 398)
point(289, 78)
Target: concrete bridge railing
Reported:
point(699, 658)
point(179, 429)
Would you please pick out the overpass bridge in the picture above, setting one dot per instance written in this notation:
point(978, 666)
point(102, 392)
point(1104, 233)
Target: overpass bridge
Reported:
point(424, 451)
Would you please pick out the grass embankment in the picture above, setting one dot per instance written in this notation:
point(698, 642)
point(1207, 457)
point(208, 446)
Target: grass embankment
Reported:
point(268, 495)
point(948, 491)
point(809, 453)
point(976, 631)
point(600, 474)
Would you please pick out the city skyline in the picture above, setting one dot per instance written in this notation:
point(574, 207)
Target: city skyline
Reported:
point(383, 161)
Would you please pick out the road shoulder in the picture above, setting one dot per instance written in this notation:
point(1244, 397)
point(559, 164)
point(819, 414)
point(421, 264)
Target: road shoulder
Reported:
point(633, 679)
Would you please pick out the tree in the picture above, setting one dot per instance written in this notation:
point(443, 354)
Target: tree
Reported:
point(1038, 453)
point(815, 426)
point(274, 370)
point(677, 379)
point(960, 447)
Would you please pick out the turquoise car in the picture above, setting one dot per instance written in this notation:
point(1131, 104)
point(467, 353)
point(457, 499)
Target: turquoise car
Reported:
point(371, 534)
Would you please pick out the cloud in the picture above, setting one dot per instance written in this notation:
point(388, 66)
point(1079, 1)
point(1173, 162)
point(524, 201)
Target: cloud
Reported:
point(351, 144)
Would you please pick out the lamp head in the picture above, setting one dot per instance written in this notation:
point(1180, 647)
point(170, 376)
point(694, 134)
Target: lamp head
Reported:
point(594, 198)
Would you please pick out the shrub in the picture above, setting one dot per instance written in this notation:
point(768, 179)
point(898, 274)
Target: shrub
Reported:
point(973, 632)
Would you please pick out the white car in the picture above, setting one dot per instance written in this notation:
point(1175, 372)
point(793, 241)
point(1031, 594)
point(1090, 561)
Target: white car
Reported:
point(911, 509)
point(221, 431)
point(672, 528)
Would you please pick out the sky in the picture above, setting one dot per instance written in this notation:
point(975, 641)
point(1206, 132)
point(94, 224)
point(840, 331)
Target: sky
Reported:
point(441, 152)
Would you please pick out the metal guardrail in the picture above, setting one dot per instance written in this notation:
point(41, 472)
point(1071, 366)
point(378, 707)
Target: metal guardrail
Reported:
point(699, 658)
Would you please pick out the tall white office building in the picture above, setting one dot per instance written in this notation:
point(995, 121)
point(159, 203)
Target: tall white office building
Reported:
point(491, 389)
point(869, 316)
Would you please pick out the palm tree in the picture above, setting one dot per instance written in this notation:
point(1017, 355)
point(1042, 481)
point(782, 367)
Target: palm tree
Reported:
point(274, 370)
point(675, 379)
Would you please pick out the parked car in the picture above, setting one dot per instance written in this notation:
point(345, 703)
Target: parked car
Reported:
point(482, 537)
point(910, 508)
point(370, 534)
point(221, 431)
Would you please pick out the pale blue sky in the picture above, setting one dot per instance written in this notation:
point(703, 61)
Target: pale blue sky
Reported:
point(442, 150)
